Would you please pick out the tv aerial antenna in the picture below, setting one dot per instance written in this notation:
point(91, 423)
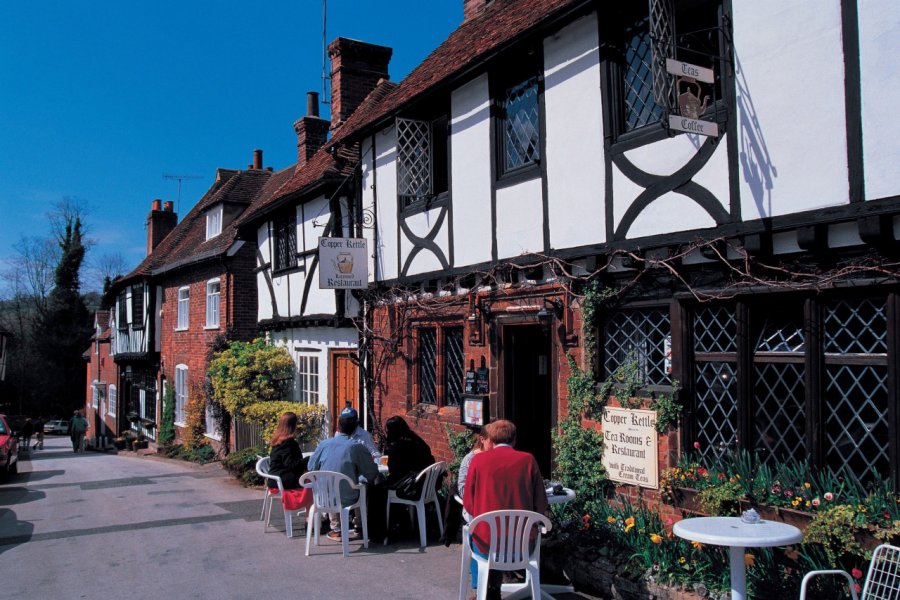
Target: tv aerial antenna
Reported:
point(180, 178)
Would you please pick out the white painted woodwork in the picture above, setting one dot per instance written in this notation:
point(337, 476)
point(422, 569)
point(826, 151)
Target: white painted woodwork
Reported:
point(520, 218)
point(316, 341)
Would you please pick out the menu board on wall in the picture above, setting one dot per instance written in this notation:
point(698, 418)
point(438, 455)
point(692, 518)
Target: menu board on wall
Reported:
point(630, 445)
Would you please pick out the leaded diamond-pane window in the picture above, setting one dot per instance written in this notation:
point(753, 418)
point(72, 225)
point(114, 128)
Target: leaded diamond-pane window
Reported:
point(856, 327)
point(715, 329)
point(414, 152)
point(454, 373)
point(521, 125)
point(285, 233)
point(779, 335)
point(856, 426)
point(716, 408)
point(427, 366)
point(642, 337)
point(640, 106)
point(780, 419)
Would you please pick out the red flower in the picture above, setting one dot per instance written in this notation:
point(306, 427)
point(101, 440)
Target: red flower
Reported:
point(696, 445)
point(856, 573)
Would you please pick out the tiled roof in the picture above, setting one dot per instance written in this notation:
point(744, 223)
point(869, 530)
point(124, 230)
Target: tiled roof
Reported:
point(321, 168)
point(500, 22)
point(187, 240)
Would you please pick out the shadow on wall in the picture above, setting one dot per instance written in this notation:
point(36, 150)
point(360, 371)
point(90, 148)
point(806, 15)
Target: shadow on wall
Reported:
point(759, 172)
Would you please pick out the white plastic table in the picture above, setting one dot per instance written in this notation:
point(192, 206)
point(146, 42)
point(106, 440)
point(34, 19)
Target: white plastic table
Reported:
point(737, 535)
point(520, 590)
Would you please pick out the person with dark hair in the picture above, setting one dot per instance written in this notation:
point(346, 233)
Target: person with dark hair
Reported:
point(407, 453)
point(27, 432)
point(344, 455)
point(286, 459)
point(359, 435)
point(39, 433)
point(501, 479)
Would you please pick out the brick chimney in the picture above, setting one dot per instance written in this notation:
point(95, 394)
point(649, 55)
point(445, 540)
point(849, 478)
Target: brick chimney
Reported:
point(473, 8)
point(160, 222)
point(356, 68)
point(312, 131)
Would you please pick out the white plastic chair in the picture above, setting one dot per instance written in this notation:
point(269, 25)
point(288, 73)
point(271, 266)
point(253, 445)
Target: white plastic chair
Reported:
point(262, 468)
point(326, 487)
point(882, 581)
point(427, 479)
point(515, 544)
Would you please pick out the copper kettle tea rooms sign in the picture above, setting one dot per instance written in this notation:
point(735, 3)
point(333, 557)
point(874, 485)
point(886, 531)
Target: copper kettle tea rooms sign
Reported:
point(691, 101)
point(343, 263)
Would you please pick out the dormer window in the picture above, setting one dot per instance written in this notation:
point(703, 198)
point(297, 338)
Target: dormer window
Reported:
point(422, 161)
point(213, 222)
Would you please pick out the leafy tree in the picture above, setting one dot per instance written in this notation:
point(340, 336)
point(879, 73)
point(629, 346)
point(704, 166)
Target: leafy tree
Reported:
point(167, 425)
point(63, 329)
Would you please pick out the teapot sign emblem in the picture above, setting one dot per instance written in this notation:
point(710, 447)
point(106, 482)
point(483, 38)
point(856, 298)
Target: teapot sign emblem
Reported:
point(689, 104)
point(345, 262)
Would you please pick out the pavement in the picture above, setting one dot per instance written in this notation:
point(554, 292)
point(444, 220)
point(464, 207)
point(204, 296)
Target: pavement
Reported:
point(101, 525)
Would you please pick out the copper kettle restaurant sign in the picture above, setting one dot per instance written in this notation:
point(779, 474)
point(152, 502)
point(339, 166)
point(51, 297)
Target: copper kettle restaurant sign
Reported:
point(343, 263)
point(630, 446)
point(691, 102)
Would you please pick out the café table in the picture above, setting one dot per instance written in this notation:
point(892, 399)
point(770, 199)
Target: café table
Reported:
point(520, 590)
point(737, 535)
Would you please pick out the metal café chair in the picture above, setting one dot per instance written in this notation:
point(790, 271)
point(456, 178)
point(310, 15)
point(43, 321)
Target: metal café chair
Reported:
point(882, 580)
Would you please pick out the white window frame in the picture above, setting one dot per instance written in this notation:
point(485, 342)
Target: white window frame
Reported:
point(181, 393)
point(112, 401)
point(95, 394)
point(212, 303)
point(213, 222)
point(212, 428)
point(308, 378)
point(184, 309)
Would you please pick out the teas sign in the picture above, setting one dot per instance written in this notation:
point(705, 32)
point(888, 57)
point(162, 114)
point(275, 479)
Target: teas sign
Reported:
point(343, 263)
point(630, 446)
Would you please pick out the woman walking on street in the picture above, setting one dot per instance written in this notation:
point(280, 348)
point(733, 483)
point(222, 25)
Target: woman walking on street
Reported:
point(77, 428)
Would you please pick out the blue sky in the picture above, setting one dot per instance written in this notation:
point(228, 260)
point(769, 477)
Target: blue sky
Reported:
point(99, 99)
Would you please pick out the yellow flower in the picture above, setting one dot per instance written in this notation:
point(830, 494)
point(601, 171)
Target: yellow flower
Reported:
point(795, 502)
point(682, 560)
point(697, 545)
point(807, 504)
point(655, 538)
point(629, 523)
point(807, 485)
point(610, 519)
point(749, 560)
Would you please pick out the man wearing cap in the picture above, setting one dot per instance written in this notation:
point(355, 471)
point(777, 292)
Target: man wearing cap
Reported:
point(359, 435)
point(347, 456)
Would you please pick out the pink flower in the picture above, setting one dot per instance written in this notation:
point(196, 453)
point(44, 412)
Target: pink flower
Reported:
point(816, 502)
point(856, 573)
point(858, 587)
point(829, 496)
point(696, 445)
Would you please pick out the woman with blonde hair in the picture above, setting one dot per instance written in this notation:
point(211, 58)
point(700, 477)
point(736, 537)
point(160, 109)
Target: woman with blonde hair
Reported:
point(286, 459)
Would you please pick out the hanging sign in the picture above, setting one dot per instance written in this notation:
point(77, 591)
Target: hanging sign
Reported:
point(343, 263)
point(630, 446)
point(691, 100)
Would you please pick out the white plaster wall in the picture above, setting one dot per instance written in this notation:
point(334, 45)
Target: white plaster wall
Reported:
point(386, 201)
point(471, 172)
point(879, 57)
point(843, 234)
point(671, 212)
point(676, 210)
point(263, 298)
point(421, 224)
point(574, 135)
point(520, 221)
point(376, 259)
point(790, 98)
point(312, 217)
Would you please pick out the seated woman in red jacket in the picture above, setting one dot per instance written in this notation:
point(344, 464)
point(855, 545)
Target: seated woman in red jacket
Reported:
point(286, 459)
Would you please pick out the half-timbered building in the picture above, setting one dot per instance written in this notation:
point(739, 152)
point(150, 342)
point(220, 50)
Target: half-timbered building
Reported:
point(727, 172)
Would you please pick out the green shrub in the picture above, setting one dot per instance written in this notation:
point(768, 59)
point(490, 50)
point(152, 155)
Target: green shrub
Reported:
point(246, 373)
point(200, 454)
point(266, 414)
point(242, 465)
point(167, 427)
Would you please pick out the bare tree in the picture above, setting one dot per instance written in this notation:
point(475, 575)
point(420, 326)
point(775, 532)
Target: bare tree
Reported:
point(103, 268)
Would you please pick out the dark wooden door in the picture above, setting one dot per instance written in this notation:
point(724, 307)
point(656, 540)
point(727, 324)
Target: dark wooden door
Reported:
point(527, 393)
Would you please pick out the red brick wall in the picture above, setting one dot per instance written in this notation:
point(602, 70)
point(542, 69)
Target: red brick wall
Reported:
point(101, 368)
point(237, 314)
point(394, 379)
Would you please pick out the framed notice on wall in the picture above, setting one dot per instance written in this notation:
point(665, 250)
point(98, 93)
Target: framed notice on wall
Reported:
point(630, 446)
point(474, 410)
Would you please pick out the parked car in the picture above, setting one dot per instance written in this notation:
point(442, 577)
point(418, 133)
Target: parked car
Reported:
point(56, 427)
point(9, 450)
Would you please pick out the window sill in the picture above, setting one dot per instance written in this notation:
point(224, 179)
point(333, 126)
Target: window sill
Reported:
point(210, 327)
point(182, 329)
point(217, 438)
point(526, 173)
point(425, 204)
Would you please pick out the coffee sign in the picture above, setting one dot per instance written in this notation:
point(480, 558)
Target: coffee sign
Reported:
point(630, 446)
point(343, 263)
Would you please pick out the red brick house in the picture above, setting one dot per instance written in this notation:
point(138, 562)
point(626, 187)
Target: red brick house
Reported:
point(102, 406)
